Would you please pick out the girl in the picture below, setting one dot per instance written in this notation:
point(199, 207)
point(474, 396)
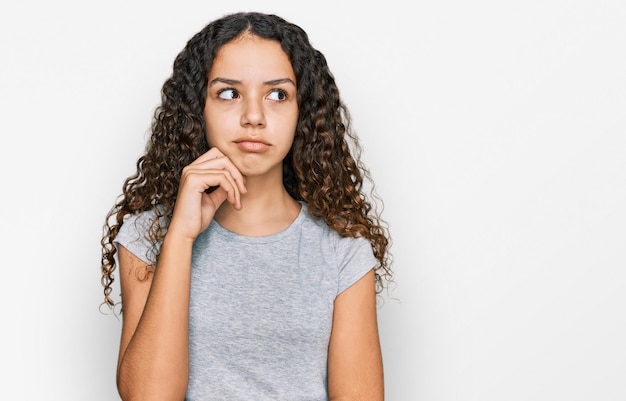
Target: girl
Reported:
point(250, 257)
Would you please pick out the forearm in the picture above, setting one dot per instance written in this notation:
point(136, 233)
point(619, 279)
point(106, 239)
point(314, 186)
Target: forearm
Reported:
point(155, 364)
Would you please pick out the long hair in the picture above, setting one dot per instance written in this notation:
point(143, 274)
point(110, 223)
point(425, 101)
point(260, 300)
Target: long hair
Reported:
point(323, 167)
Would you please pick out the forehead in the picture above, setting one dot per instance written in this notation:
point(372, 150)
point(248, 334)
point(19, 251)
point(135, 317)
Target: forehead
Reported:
point(250, 57)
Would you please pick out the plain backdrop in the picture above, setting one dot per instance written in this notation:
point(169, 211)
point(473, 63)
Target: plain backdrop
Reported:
point(495, 131)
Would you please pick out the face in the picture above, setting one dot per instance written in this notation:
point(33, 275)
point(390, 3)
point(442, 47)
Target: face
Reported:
point(251, 109)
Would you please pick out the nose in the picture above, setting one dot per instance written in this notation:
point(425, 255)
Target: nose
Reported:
point(252, 113)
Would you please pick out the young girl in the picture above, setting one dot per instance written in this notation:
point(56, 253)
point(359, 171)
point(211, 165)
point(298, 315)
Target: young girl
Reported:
point(250, 257)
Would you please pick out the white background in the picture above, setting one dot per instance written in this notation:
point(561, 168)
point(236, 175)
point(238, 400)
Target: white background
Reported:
point(495, 131)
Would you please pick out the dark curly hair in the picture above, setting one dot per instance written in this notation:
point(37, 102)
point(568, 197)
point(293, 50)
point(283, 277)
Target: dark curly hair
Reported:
point(323, 167)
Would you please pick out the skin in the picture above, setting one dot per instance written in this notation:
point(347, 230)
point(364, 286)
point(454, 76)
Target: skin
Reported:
point(251, 113)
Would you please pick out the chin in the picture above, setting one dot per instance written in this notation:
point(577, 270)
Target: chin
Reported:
point(256, 170)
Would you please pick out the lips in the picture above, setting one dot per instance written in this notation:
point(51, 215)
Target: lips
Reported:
point(252, 145)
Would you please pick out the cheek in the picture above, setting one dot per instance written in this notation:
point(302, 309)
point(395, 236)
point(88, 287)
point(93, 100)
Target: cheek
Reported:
point(207, 126)
point(292, 121)
point(212, 135)
point(207, 133)
point(214, 125)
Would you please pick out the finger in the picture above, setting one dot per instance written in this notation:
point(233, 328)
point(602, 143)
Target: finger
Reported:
point(228, 183)
point(204, 179)
point(217, 160)
point(213, 153)
point(217, 197)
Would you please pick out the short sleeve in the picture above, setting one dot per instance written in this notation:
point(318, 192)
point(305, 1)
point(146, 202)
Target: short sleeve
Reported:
point(356, 258)
point(133, 236)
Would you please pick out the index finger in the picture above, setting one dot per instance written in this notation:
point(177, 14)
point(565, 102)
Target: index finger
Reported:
point(214, 159)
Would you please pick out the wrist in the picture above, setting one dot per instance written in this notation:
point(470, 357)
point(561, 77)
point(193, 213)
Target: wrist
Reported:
point(178, 240)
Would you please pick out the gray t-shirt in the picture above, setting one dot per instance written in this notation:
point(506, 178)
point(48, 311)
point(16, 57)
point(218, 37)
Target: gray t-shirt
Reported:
point(261, 308)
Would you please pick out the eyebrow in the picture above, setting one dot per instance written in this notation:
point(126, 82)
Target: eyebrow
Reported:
point(228, 81)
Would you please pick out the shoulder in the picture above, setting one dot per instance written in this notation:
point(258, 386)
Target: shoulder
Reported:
point(134, 235)
point(322, 231)
point(137, 224)
point(353, 257)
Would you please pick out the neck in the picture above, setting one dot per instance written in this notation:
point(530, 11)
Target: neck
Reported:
point(267, 208)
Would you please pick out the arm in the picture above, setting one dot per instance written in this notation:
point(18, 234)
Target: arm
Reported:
point(153, 359)
point(355, 368)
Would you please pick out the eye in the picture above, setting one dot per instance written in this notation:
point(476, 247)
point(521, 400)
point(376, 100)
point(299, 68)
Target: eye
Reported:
point(278, 95)
point(228, 94)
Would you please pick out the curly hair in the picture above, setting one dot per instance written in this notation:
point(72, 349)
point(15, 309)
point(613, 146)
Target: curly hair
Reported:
point(323, 167)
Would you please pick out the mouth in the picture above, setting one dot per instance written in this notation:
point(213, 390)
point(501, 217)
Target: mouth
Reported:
point(253, 145)
point(253, 140)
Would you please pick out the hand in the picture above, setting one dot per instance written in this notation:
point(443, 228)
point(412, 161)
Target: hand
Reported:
point(204, 185)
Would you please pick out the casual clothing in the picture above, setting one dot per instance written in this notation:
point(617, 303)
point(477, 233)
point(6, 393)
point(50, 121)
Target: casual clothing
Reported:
point(261, 307)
